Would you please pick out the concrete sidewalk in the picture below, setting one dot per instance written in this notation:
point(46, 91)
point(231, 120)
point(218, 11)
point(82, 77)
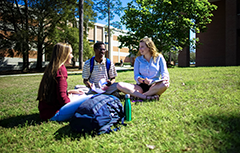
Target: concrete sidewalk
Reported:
point(70, 72)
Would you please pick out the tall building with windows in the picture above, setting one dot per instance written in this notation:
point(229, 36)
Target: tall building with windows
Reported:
point(95, 34)
point(220, 44)
point(99, 33)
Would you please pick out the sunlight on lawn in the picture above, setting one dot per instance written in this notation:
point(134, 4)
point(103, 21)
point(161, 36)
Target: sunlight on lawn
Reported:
point(199, 113)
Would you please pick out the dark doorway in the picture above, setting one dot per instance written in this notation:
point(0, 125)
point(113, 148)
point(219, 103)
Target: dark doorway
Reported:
point(238, 47)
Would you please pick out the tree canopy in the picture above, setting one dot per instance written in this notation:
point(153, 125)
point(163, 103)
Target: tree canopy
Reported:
point(109, 8)
point(113, 7)
point(68, 31)
point(48, 23)
point(167, 22)
point(14, 29)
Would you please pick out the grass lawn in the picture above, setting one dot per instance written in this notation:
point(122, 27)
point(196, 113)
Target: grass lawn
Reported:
point(200, 112)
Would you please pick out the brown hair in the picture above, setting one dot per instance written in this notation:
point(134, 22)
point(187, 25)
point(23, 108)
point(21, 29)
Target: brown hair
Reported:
point(47, 88)
point(152, 48)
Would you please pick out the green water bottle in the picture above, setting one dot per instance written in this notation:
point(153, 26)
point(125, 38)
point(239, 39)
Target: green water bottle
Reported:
point(127, 108)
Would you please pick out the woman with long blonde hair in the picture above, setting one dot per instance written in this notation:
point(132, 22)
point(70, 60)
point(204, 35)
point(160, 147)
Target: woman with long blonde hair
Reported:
point(150, 73)
point(52, 93)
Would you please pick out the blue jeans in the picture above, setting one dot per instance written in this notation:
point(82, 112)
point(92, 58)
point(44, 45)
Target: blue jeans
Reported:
point(68, 110)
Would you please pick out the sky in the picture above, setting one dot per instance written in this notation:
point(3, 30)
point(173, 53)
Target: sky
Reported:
point(116, 18)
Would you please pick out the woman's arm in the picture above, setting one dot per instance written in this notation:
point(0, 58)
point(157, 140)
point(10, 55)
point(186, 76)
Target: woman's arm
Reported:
point(61, 77)
point(163, 67)
point(76, 91)
point(164, 71)
point(137, 76)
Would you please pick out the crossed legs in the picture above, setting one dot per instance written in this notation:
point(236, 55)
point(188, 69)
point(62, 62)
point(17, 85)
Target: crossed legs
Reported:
point(157, 88)
point(136, 91)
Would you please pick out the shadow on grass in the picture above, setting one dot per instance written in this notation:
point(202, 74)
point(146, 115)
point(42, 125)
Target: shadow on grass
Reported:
point(21, 120)
point(125, 70)
point(67, 132)
point(226, 132)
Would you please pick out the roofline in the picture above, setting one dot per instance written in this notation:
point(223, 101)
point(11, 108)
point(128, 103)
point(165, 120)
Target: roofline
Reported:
point(213, 0)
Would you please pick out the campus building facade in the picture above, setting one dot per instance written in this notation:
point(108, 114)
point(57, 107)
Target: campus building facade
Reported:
point(220, 44)
point(99, 33)
point(95, 34)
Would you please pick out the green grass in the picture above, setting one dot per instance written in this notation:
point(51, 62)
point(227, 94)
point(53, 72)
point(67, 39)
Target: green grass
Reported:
point(200, 112)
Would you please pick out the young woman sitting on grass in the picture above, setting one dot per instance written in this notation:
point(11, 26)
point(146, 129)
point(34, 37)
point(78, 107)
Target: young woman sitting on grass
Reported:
point(149, 68)
point(52, 94)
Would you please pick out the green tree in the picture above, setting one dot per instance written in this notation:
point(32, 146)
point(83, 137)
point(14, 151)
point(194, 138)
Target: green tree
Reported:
point(192, 56)
point(14, 28)
point(86, 14)
point(54, 24)
point(68, 31)
point(48, 23)
point(70, 35)
point(48, 16)
point(167, 22)
point(108, 9)
point(32, 22)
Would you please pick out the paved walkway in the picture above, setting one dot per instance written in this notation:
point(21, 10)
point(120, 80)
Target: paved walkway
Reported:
point(72, 72)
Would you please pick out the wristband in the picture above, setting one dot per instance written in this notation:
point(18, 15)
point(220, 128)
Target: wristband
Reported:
point(143, 81)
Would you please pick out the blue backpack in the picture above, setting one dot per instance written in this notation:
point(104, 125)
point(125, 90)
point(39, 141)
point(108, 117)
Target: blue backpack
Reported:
point(98, 114)
point(108, 64)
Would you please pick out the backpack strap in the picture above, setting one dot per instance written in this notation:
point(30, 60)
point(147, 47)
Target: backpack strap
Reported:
point(108, 64)
point(91, 66)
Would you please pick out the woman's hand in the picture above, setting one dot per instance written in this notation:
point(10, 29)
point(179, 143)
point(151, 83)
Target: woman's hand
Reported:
point(76, 91)
point(70, 96)
point(166, 81)
point(147, 81)
point(140, 80)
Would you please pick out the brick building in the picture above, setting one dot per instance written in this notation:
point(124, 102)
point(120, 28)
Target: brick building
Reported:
point(98, 33)
point(221, 42)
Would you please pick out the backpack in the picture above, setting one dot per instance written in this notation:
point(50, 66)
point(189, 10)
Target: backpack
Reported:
point(108, 64)
point(98, 114)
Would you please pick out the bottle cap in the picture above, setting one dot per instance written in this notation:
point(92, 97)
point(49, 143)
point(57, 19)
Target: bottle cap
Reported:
point(127, 96)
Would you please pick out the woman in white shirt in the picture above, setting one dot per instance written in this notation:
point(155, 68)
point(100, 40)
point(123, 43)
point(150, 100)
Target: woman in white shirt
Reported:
point(150, 73)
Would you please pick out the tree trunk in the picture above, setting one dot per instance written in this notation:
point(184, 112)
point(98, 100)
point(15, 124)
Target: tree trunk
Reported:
point(109, 32)
point(81, 34)
point(39, 57)
point(170, 58)
point(26, 48)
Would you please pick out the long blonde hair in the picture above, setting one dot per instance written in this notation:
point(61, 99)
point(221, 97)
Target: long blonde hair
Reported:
point(152, 48)
point(47, 88)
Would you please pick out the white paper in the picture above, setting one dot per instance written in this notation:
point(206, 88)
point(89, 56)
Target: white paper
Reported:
point(97, 90)
point(157, 81)
point(102, 82)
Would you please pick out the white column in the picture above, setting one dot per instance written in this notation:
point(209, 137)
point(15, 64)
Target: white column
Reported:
point(43, 55)
point(87, 31)
point(118, 53)
point(95, 34)
point(103, 35)
point(111, 52)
